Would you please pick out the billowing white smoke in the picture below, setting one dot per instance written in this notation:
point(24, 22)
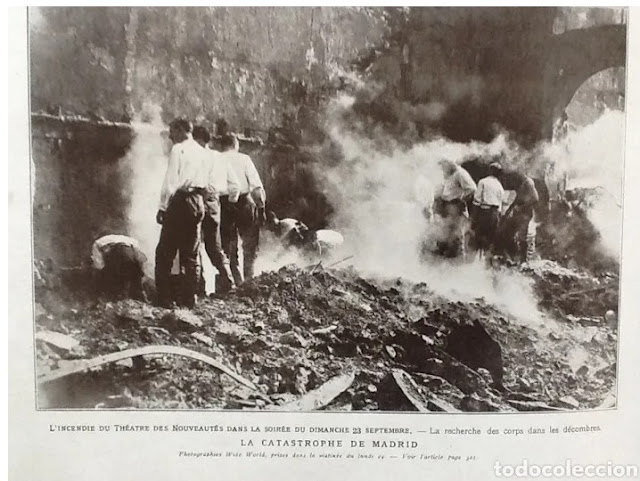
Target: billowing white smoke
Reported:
point(379, 193)
point(146, 163)
point(593, 158)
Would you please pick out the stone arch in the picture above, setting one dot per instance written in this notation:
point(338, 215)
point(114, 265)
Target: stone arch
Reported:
point(574, 57)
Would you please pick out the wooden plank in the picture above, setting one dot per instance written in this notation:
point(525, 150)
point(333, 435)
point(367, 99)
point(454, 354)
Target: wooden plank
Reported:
point(85, 364)
point(320, 397)
point(532, 406)
point(57, 339)
point(410, 389)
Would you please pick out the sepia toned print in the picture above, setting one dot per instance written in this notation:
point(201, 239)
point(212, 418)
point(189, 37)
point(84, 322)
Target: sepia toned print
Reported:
point(322, 208)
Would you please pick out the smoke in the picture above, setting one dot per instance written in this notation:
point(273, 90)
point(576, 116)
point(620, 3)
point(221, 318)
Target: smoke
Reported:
point(379, 192)
point(592, 158)
point(146, 164)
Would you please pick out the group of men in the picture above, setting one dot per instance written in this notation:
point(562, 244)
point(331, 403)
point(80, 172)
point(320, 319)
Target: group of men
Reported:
point(210, 196)
point(466, 207)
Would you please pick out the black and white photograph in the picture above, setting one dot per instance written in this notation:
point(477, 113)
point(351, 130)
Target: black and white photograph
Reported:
point(297, 209)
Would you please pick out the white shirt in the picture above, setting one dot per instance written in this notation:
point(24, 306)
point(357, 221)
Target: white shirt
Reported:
point(185, 169)
point(285, 226)
point(220, 175)
point(101, 245)
point(246, 173)
point(489, 192)
point(458, 185)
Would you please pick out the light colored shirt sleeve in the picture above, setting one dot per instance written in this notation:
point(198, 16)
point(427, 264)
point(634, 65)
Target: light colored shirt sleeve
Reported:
point(233, 185)
point(171, 179)
point(256, 189)
point(465, 181)
point(477, 197)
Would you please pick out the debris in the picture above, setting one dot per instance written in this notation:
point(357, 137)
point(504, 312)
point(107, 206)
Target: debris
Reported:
point(532, 405)
point(472, 345)
point(582, 371)
point(609, 401)
point(84, 365)
point(316, 267)
point(202, 338)
point(398, 391)
point(181, 320)
point(324, 330)
point(57, 340)
point(320, 397)
point(288, 333)
point(38, 310)
point(293, 339)
point(128, 363)
point(339, 262)
point(569, 401)
point(128, 320)
point(429, 341)
point(339, 292)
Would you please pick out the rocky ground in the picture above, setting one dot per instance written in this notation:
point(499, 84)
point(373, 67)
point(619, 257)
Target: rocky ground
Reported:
point(383, 345)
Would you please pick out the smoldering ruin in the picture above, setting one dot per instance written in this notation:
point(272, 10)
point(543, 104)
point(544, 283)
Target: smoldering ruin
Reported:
point(347, 114)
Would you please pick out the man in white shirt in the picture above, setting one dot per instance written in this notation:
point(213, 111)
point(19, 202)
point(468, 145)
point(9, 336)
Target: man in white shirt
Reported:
point(458, 187)
point(487, 207)
point(118, 265)
point(180, 213)
point(295, 234)
point(242, 221)
point(222, 181)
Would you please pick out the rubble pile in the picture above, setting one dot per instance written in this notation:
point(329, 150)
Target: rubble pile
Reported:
point(327, 339)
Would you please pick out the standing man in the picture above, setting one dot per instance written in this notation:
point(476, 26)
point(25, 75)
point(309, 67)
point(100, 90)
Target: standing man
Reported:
point(221, 183)
point(180, 213)
point(487, 207)
point(243, 220)
point(520, 212)
point(457, 189)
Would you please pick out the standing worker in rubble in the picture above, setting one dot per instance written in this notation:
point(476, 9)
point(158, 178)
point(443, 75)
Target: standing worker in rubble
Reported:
point(222, 186)
point(487, 208)
point(242, 221)
point(519, 215)
point(180, 213)
point(457, 189)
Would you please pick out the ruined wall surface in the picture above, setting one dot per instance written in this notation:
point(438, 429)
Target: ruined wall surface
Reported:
point(80, 186)
point(249, 65)
point(470, 72)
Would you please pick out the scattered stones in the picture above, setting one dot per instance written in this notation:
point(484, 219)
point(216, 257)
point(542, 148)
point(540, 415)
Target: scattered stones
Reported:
point(57, 340)
point(204, 339)
point(293, 339)
point(181, 320)
point(569, 401)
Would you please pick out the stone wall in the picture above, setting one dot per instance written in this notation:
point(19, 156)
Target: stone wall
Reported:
point(80, 186)
point(249, 65)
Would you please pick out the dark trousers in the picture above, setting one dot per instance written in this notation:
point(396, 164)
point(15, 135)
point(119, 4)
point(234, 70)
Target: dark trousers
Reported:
point(516, 238)
point(454, 227)
point(213, 244)
point(238, 222)
point(122, 273)
point(485, 223)
point(181, 233)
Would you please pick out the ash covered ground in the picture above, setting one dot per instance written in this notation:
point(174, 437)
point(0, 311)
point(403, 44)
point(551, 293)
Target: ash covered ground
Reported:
point(330, 339)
